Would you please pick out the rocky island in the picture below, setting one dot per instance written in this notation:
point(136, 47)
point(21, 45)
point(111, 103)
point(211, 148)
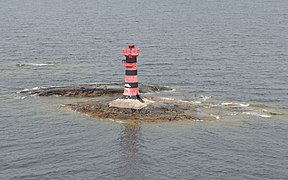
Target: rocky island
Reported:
point(103, 95)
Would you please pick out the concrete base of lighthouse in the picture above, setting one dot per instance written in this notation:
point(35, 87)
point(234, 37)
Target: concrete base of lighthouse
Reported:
point(130, 103)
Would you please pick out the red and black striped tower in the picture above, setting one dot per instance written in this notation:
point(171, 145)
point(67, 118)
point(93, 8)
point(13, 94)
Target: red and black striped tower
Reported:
point(131, 90)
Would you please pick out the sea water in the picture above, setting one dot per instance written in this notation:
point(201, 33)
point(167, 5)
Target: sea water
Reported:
point(230, 58)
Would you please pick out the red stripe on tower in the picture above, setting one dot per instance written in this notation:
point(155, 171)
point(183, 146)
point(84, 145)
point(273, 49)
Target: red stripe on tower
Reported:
point(131, 66)
point(131, 79)
point(131, 91)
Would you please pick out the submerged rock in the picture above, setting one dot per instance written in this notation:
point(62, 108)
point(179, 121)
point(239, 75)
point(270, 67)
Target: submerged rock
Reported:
point(90, 90)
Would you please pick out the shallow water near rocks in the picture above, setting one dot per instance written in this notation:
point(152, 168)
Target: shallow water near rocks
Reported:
point(229, 58)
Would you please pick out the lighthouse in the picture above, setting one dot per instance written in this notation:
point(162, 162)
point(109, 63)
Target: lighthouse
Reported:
point(130, 98)
point(131, 88)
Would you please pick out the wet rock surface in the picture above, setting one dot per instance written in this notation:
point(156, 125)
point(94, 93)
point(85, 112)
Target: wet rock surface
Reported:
point(160, 111)
point(90, 90)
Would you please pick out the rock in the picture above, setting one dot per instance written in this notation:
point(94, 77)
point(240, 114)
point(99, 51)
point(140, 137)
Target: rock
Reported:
point(159, 111)
point(108, 106)
point(91, 90)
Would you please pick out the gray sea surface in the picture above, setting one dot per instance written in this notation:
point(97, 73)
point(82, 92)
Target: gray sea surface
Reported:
point(230, 57)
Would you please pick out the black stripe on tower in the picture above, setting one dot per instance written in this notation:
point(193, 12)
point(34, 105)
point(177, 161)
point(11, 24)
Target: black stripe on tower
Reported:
point(132, 85)
point(129, 97)
point(131, 60)
point(132, 97)
point(131, 72)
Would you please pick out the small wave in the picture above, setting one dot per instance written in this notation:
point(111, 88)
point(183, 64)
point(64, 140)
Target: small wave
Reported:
point(4, 98)
point(273, 113)
point(204, 98)
point(185, 101)
point(21, 97)
point(32, 89)
point(215, 116)
point(11, 96)
point(36, 88)
point(230, 104)
point(198, 120)
point(34, 64)
point(157, 64)
point(26, 90)
point(165, 98)
point(256, 114)
point(196, 102)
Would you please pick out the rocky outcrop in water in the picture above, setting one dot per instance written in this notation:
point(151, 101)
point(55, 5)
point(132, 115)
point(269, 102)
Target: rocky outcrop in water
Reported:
point(160, 110)
point(107, 104)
